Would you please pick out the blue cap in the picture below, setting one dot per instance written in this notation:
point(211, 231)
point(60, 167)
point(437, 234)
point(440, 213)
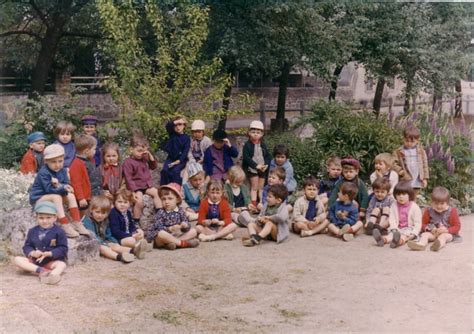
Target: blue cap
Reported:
point(35, 136)
point(89, 120)
point(46, 207)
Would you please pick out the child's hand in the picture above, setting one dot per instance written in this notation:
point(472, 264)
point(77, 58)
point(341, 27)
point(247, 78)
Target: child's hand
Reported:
point(69, 188)
point(55, 182)
point(259, 206)
point(401, 172)
point(227, 142)
point(214, 221)
point(237, 210)
point(425, 183)
point(138, 235)
point(183, 226)
point(43, 256)
point(108, 195)
point(220, 223)
point(135, 197)
point(36, 254)
point(442, 230)
point(252, 208)
point(83, 203)
point(264, 168)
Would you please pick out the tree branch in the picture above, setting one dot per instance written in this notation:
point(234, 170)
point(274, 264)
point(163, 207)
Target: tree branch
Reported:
point(39, 12)
point(83, 35)
point(20, 32)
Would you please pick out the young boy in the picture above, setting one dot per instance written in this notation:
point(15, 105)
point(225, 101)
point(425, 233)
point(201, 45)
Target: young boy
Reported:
point(272, 223)
point(343, 214)
point(440, 222)
point(89, 126)
point(64, 133)
point(45, 246)
point(309, 216)
point(32, 161)
point(218, 156)
point(334, 169)
point(276, 176)
point(410, 161)
point(281, 154)
point(379, 206)
point(85, 175)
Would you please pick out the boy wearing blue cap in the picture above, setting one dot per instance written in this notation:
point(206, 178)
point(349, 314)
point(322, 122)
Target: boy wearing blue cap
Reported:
point(89, 126)
point(45, 247)
point(33, 158)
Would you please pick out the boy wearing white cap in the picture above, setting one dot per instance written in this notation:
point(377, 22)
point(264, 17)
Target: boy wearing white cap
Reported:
point(45, 247)
point(32, 161)
point(52, 184)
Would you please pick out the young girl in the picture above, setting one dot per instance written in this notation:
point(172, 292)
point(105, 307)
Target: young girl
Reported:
point(383, 168)
point(111, 170)
point(136, 171)
point(171, 228)
point(177, 148)
point(98, 224)
point(255, 160)
point(218, 157)
point(123, 227)
point(193, 189)
point(64, 133)
point(236, 192)
point(215, 221)
point(404, 218)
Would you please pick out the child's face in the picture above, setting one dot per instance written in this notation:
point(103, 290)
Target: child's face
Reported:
point(334, 171)
point(179, 126)
point(237, 182)
point(280, 159)
point(218, 144)
point(214, 195)
point(169, 201)
point(381, 166)
point(111, 157)
point(255, 134)
point(45, 220)
point(38, 146)
point(380, 194)
point(89, 129)
point(98, 215)
point(122, 204)
point(55, 164)
point(310, 191)
point(197, 180)
point(343, 197)
point(410, 142)
point(274, 179)
point(197, 134)
point(272, 200)
point(65, 137)
point(439, 206)
point(349, 172)
point(138, 151)
point(402, 198)
point(90, 152)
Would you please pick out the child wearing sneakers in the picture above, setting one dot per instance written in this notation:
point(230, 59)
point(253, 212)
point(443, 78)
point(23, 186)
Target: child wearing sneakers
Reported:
point(379, 206)
point(194, 190)
point(98, 224)
point(177, 148)
point(45, 246)
point(343, 214)
point(404, 218)
point(64, 133)
point(89, 126)
point(326, 186)
point(383, 169)
point(32, 161)
point(52, 184)
point(236, 192)
point(281, 155)
point(171, 229)
point(309, 216)
point(272, 222)
point(440, 222)
point(215, 220)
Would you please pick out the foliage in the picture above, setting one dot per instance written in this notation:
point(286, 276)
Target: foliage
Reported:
point(14, 190)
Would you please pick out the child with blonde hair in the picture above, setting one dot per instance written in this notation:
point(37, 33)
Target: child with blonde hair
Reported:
point(383, 169)
point(111, 170)
point(236, 192)
point(64, 133)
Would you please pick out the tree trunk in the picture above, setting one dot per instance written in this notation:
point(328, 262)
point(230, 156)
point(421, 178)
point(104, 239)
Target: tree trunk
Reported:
point(380, 87)
point(279, 124)
point(458, 101)
point(334, 81)
point(408, 88)
point(225, 106)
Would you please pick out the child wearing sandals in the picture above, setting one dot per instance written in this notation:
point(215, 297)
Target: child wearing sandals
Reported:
point(272, 222)
point(171, 229)
point(98, 224)
point(309, 216)
point(379, 206)
point(193, 190)
point(343, 214)
point(215, 220)
point(404, 218)
point(440, 222)
point(236, 192)
point(383, 169)
point(45, 246)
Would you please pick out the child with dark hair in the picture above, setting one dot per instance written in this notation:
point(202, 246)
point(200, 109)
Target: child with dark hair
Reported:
point(309, 216)
point(218, 156)
point(272, 222)
point(276, 176)
point(177, 148)
point(343, 214)
point(379, 206)
point(440, 222)
point(64, 133)
point(89, 126)
point(281, 155)
point(404, 218)
point(32, 161)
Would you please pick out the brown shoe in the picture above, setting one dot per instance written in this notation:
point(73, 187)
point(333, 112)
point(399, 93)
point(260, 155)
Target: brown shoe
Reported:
point(127, 257)
point(69, 230)
point(413, 245)
point(140, 249)
point(436, 245)
point(49, 278)
point(171, 246)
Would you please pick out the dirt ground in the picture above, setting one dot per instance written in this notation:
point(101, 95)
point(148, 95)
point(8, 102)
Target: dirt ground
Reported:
point(316, 284)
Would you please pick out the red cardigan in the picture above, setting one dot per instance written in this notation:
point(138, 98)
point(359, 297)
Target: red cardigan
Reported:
point(224, 211)
point(453, 221)
point(28, 163)
point(80, 180)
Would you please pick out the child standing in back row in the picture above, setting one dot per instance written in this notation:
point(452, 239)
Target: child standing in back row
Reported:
point(177, 148)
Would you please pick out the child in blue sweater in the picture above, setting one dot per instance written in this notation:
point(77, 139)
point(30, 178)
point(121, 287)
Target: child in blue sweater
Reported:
point(281, 155)
point(343, 214)
point(45, 247)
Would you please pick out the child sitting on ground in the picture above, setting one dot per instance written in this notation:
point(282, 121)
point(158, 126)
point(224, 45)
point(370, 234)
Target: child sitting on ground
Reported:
point(343, 214)
point(404, 218)
point(177, 148)
point(236, 192)
point(215, 221)
point(45, 246)
point(137, 174)
point(89, 126)
point(64, 133)
point(194, 189)
point(32, 161)
point(379, 206)
point(171, 228)
point(326, 186)
point(218, 156)
point(272, 222)
point(309, 216)
point(52, 184)
point(98, 224)
point(281, 155)
point(383, 169)
point(440, 222)
point(111, 170)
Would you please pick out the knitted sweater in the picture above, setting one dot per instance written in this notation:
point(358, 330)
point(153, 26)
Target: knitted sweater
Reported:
point(448, 218)
point(399, 163)
point(301, 207)
point(43, 183)
point(247, 155)
point(362, 195)
point(338, 206)
point(280, 219)
point(230, 195)
point(414, 217)
point(224, 211)
point(137, 173)
point(119, 224)
point(29, 163)
point(101, 230)
point(290, 181)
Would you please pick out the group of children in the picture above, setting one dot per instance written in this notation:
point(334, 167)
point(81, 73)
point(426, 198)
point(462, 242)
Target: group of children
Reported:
point(203, 196)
